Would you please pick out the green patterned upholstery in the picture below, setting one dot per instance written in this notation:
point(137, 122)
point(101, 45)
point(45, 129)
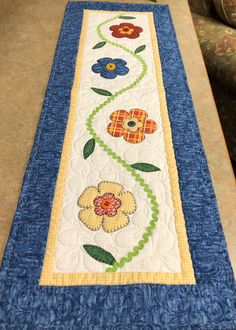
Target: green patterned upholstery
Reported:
point(218, 43)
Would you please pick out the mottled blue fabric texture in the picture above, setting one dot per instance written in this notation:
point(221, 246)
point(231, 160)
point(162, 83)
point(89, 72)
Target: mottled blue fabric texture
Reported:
point(211, 304)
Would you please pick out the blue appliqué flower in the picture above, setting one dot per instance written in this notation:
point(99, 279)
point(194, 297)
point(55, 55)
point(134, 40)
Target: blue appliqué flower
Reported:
point(110, 68)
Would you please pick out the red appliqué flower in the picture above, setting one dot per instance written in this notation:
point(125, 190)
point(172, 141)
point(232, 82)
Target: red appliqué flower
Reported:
point(126, 30)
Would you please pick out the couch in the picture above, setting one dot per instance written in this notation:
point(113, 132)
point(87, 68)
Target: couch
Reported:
point(215, 24)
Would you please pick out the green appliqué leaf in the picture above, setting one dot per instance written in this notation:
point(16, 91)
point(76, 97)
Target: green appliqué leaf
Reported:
point(100, 44)
point(99, 254)
point(101, 91)
point(89, 148)
point(127, 17)
point(153, 1)
point(145, 167)
point(140, 49)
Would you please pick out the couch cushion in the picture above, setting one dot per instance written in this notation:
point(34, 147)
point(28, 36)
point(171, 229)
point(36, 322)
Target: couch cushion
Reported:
point(202, 7)
point(226, 106)
point(218, 44)
point(226, 9)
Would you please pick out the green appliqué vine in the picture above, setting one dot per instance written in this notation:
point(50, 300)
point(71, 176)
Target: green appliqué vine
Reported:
point(131, 169)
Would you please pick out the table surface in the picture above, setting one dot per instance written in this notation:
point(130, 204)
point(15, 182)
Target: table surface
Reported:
point(29, 31)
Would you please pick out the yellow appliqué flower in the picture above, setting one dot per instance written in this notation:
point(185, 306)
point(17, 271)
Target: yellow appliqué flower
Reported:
point(106, 206)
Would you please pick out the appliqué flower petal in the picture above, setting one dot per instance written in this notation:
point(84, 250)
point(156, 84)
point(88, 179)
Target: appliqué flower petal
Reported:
point(141, 115)
point(110, 225)
point(90, 219)
point(115, 129)
point(128, 202)
point(119, 115)
point(134, 137)
point(150, 126)
point(87, 197)
point(112, 187)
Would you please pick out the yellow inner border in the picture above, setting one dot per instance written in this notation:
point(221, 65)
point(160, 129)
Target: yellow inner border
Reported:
point(48, 276)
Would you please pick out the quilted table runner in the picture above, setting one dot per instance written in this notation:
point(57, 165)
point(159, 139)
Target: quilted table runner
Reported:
point(117, 224)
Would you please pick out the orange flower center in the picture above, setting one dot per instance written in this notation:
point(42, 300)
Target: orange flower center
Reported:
point(106, 203)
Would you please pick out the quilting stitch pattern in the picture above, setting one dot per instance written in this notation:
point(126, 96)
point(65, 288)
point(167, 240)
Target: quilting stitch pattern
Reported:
point(111, 153)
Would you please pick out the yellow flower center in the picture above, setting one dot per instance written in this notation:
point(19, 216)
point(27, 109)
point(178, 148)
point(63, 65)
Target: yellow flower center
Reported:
point(126, 30)
point(110, 66)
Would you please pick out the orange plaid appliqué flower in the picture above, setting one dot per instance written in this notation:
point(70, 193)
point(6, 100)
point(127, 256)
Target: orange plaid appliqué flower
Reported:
point(132, 125)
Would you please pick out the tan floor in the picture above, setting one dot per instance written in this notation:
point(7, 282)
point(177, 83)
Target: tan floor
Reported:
point(29, 30)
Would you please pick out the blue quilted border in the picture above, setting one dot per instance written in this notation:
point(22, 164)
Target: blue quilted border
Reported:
point(211, 304)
